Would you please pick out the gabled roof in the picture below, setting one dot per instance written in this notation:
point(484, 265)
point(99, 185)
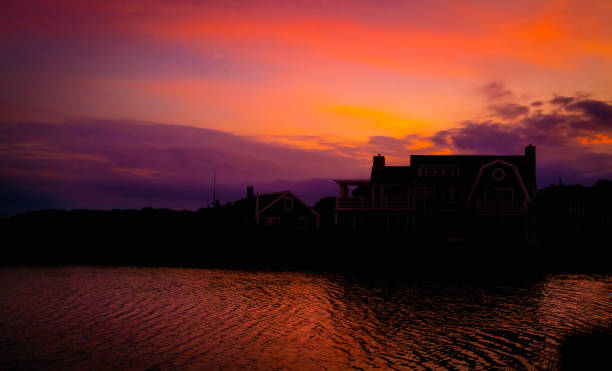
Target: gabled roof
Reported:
point(266, 200)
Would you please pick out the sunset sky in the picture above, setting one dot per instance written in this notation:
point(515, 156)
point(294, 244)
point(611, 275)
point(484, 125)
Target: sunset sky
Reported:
point(115, 103)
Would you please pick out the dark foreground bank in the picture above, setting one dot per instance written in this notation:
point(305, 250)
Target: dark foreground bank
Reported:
point(211, 239)
point(584, 349)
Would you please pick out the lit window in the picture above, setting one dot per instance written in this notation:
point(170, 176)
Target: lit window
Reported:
point(273, 220)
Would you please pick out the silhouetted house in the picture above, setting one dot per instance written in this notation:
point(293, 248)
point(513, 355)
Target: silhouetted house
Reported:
point(444, 197)
point(278, 210)
point(575, 213)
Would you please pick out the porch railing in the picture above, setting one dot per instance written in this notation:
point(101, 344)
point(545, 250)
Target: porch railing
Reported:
point(362, 202)
point(501, 204)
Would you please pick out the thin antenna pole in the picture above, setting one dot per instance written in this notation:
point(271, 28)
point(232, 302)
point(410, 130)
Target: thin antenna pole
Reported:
point(214, 187)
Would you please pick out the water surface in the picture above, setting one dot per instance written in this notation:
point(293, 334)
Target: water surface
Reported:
point(162, 318)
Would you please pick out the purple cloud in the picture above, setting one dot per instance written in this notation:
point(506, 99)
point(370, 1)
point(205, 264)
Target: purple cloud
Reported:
point(571, 142)
point(561, 100)
point(496, 91)
point(508, 111)
point(134, 164)
point(598, 112)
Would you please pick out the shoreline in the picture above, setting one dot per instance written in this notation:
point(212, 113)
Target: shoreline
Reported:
point(213, 239)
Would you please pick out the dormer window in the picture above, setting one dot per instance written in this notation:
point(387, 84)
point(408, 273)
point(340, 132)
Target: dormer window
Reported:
point(288, 204)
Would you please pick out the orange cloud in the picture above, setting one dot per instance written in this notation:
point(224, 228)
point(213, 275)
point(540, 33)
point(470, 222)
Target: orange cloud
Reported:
point(544, 37)
point(376, 120)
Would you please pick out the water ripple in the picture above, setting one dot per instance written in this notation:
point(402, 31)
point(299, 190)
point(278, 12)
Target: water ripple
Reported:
point(158, 318)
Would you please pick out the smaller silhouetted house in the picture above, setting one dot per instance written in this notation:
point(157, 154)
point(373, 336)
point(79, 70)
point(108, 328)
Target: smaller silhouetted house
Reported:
point(576, 213)
point(279, 210)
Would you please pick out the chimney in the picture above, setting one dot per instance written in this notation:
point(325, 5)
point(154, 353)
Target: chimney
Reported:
point(249, 192)
point(530, 179)
point(379, 162)
point(530, 152)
